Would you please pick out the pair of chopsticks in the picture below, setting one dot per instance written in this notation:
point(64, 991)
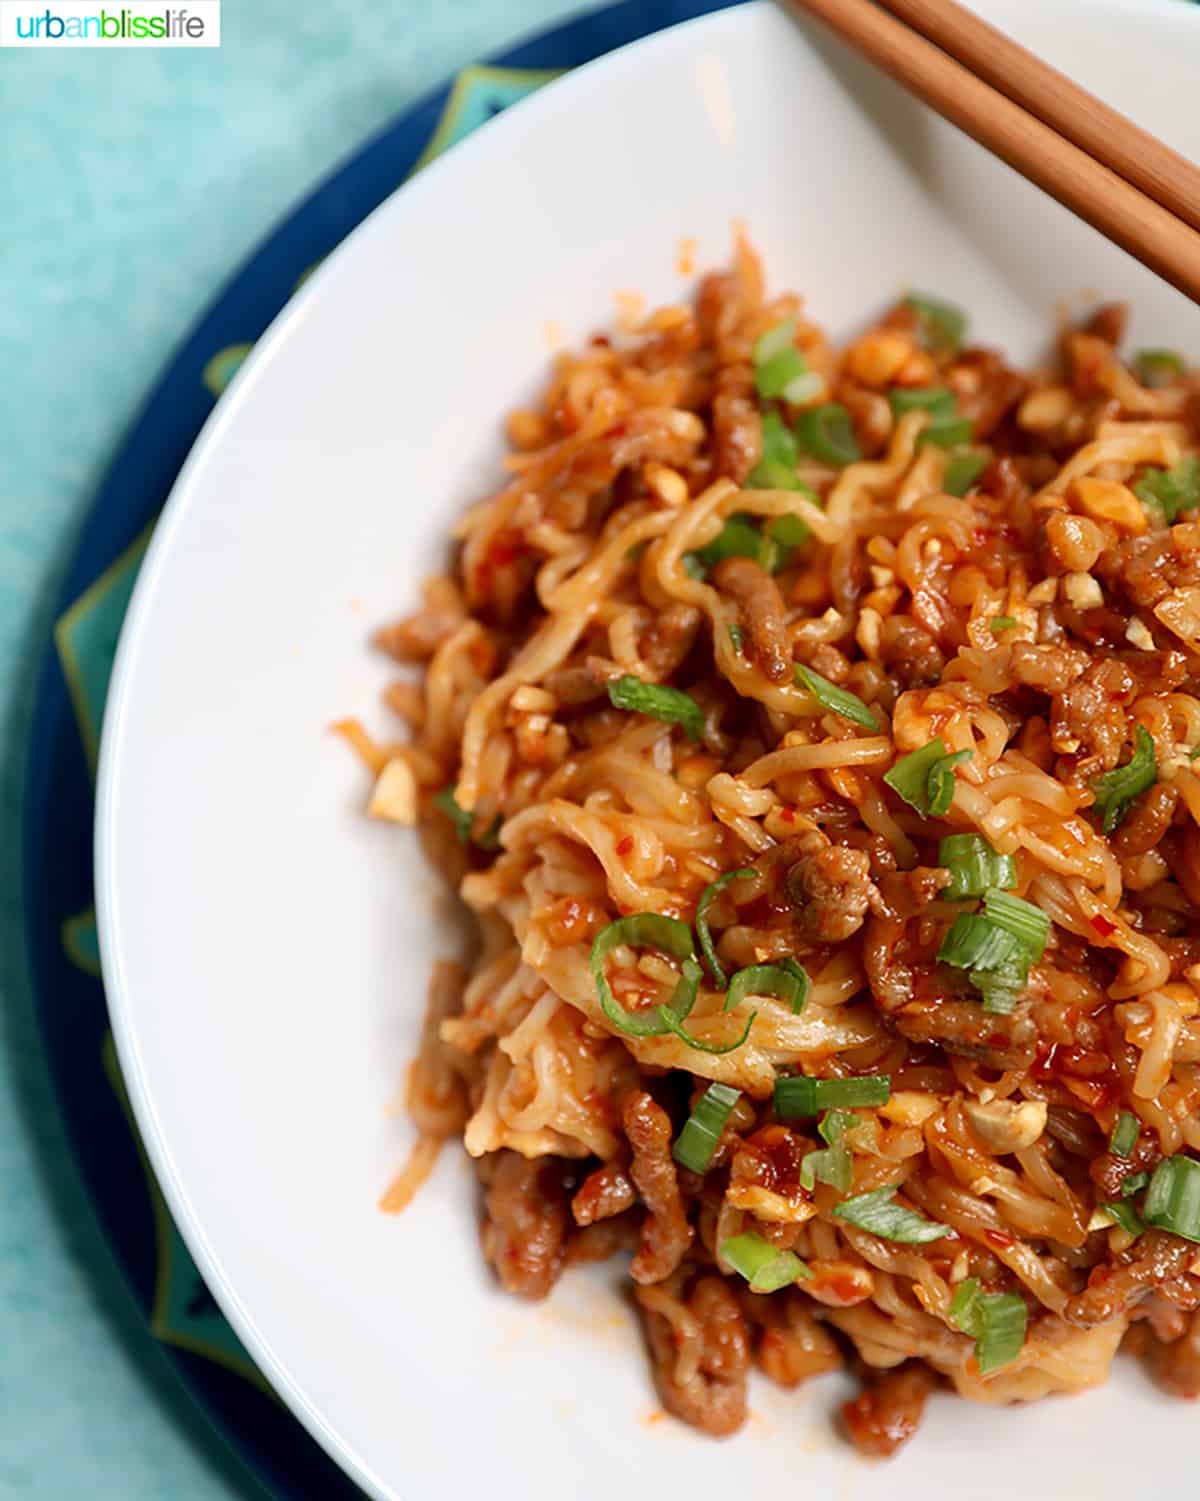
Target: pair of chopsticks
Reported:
point(1125, 182)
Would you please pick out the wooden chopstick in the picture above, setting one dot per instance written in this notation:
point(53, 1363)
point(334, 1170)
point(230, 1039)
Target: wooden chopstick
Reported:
point(1120, 211)
point(1104, 133)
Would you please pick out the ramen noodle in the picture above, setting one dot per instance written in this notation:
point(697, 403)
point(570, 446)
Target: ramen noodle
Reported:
point(810, 734)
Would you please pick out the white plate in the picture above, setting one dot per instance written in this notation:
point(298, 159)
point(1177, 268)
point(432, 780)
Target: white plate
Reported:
point(266, 949)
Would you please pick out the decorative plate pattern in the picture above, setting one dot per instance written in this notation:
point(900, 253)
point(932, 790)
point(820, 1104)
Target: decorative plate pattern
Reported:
point(180, 1311)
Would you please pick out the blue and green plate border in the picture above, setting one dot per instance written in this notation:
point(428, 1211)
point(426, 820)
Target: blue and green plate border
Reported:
point(180, 1312)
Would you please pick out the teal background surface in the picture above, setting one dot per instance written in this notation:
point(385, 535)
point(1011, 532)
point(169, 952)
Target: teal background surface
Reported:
point(131, 184)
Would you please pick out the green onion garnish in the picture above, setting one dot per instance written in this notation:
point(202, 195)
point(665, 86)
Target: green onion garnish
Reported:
point(834, 1165)
point(1173, 1198)
point(789, 531)
point(1124, 1134)
point(776, 469)
point(974, 866)
point(964, 1305)
point(875, 1212)
point(738, 538)
point(680, 1031)
point(738, 638)
point(787, 981)
point(647, 930)
point(707, 897)
point(464, 822)
point(995, 1321)
point(776, 339)
point(828, 434)
point(996, 957)
point(1027, 923)
point(1126, 1216)
point(963, 470)
point(692, 566)
point(948, 433)
point(1158, 367)
point(779, 367)
point(1000, 623)
point(943, 326)
point(660, 702)
point(1117, 790)
point(1000, 1321)
point(975, 942)
point(698, 1140)
point(935, 399)
point(925, 778)
point(1133, 1183)
point(765, 1267)
point(1171, 490)
point(830, 696)
point(797, 1096)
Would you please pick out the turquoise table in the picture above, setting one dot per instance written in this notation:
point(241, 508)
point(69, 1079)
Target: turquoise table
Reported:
point(131, 184)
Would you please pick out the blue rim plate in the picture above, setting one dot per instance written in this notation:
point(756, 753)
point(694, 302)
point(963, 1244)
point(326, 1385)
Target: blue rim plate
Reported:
point(60, 921)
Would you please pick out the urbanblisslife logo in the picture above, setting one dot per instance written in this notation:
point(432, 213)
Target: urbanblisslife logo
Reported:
point(91, 23)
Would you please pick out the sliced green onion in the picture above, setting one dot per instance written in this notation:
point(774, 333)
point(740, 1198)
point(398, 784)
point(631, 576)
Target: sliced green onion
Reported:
point(828, 434)
point(995, 1321)
point(782, 373)
point(976, 942)
point(464, 822)
point(1000, 623)
point(964, 1305)
point(646, 930)
point(1124, 1134)
point(787, 981)
point(1027, 923)
point(1171, 490)
point(776, 339)
point(1000, 1324)
point(835, 1125)
point(707, 897)
point(963, 470)
point(674, 1024)
point(765, 1267)
point(738, 538)
point(974, 866)
point(1133, 1183)
point(771, 474)
point(1126, 1216)
point(1158, 367)
point(659, 702)
point(1000, 989)
point(1173, 1198)
point(789, 531)
point(925, 778)
point(830, 696)
point(935, 399)
point(948, 433)
point(943, 326)
point(696, 1143)
point(876, 1213)
point(833, 1165)
point(779, 444)
point(797, 1096)
point(996, 960)
point(693, 566)
point(1117, 790)
point(738, 638)
point(804, 386)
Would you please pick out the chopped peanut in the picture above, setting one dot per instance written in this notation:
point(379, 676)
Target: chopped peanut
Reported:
point(1044, 410)
point(668, 484)
point(395, 794)
point(1106, 500)
point(1083, 591)
point(877, 358)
